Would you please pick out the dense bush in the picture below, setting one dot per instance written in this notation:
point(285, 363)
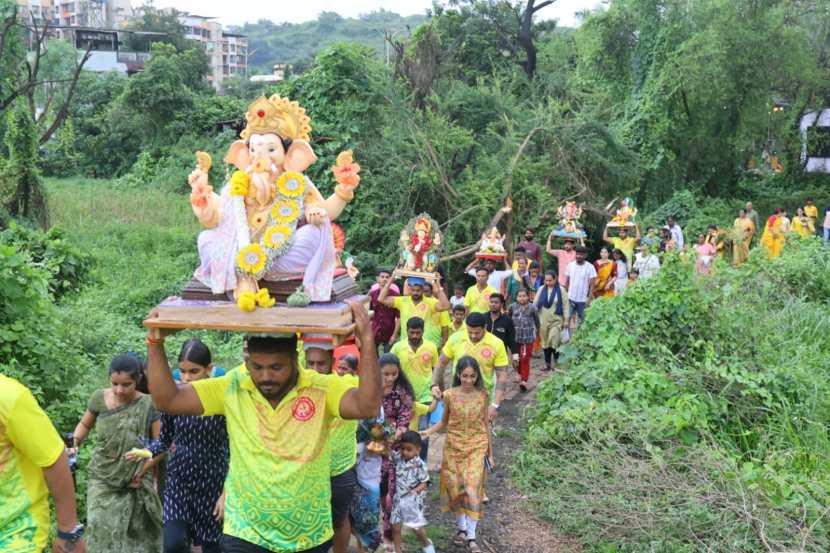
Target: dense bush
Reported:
point(693, 413)
point(37, 342)
point(68, 268)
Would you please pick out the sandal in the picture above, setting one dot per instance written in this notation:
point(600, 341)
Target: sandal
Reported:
point(473, 546)
point(460, 537)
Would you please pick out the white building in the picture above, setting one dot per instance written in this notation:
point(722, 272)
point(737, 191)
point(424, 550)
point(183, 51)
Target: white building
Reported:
point(228, 52)
point(109, 14)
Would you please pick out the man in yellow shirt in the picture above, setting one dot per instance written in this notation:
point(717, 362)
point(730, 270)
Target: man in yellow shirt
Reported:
point(278, 492)
point(416, 304)
point(319, 357)
point(418, 358)
point(33, 465)
point(487, 349)
point(477, 299)
point(624, 243)
point(811, 211)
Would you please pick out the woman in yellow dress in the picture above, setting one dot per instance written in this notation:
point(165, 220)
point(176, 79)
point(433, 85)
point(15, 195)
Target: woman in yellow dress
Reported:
point(605, 274)
point(773, 238)
point(802, 225)
point(743, 231)
point(465, 450)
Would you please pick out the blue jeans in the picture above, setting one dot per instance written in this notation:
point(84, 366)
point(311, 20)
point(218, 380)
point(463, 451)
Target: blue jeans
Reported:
point(578, 308)
point(423, 424)
point(826, 234)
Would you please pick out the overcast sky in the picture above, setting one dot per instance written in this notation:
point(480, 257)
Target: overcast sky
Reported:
point(237, 12)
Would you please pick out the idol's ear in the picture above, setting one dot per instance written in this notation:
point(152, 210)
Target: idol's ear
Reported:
point(238, 155)
point(299, 156)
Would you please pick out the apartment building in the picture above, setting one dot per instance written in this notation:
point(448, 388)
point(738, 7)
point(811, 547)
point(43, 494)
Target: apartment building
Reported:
point(39, 10)
point(107, 14)
point(228, 52)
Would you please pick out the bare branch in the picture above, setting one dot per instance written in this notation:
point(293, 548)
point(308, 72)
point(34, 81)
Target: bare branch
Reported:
point(467, 250)
point(61, 116)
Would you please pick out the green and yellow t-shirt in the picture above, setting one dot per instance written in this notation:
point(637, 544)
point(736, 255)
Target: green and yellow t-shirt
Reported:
point(626, 245)
point(478, 301)
point(343, 438)
point(28, 444)
point(433, 327)
point(417, 365)
point(278, 494)
point(489, 352)
point(423, 309)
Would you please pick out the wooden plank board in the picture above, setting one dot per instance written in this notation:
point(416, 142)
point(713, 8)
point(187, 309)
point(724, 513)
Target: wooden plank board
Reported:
point(329, 318)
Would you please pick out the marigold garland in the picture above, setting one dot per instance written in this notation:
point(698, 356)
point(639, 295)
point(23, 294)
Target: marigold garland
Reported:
point(264, 299)
point(247, 301)
point(251, 259)
point(276, 236)
point(240, 182)
point(285, 211)
point(291, 184)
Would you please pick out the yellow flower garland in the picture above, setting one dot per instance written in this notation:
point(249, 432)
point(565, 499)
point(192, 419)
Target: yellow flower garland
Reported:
point(264, 299)
point(276, 236)
point(247, 301)
point(240, 182)
point(291, 184)
point(285, 211)
point(251, 259)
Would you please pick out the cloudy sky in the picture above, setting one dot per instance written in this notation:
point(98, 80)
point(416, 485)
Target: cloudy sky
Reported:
point(237, 12)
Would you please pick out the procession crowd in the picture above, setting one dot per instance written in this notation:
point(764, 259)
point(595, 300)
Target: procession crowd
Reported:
point(307, 444)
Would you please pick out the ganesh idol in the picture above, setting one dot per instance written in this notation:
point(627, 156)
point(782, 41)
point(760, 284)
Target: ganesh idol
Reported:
point(269, 220)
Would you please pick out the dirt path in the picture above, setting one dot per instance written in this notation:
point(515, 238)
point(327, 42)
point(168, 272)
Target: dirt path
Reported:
point(507, 525)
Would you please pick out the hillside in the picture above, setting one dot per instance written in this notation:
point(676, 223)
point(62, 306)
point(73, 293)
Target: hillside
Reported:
point(297, 43)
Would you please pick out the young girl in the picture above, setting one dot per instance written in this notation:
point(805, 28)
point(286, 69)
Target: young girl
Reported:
point(466, 448)
point(364, 512)
point(411, 479)
point(197, 467)
point(705, 255)
point(398, 398)
point(526, 322)
point(620, 272)
point(123, 508)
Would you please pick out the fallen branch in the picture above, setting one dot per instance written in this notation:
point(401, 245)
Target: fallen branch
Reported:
point(472, 248)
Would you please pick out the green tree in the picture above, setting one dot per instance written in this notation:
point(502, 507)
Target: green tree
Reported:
point(23, 192)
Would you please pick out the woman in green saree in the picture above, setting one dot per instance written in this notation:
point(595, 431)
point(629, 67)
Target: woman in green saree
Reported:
point(123, 508)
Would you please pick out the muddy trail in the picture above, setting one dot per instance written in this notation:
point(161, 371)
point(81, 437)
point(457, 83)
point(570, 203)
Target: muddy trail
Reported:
point(508, 524)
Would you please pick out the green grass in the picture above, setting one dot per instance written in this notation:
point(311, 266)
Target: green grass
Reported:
point(144, 245)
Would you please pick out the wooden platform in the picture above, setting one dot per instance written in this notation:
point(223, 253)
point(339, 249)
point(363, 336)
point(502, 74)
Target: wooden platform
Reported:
point(342, 288)
point(329, 318)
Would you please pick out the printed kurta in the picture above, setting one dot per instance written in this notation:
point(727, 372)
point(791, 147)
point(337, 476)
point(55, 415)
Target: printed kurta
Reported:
point(466, 446)
point(196, 471)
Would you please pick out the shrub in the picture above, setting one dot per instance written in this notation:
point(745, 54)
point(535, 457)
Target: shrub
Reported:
point(68, 267)
point(692, 416)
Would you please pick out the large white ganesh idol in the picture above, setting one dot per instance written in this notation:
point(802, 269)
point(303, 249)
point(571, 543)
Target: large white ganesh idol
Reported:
point(269, 219)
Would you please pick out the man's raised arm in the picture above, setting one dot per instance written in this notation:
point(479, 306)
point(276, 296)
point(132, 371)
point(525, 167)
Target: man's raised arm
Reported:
point(363, 402)
point(167, 396)
point(438, 291)
point(388, 302)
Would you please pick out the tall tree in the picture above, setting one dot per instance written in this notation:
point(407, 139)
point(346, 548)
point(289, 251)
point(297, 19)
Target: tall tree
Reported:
point(29, 70)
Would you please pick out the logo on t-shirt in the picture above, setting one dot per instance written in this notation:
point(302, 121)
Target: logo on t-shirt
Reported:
point(487, 353)
point(426, 357)
point(303, 409)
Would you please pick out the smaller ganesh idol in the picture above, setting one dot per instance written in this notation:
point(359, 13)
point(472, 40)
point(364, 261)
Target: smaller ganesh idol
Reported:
point(492, 246)
point(420, 244)
point(569, 225)
point(625, 216)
